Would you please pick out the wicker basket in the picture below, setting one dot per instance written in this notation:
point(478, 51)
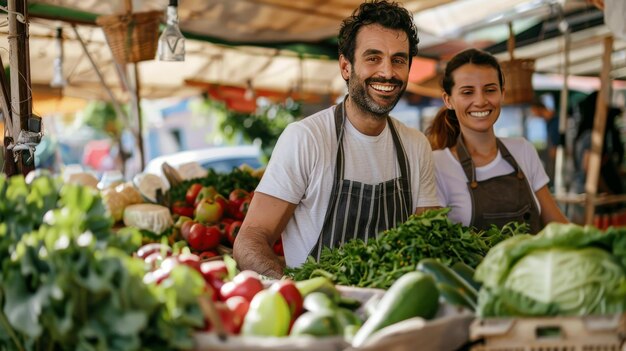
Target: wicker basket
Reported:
point(518, 80)
point(133, 37)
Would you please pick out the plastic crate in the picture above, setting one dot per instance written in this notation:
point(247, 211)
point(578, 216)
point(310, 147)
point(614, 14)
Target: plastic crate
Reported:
point(589, 333)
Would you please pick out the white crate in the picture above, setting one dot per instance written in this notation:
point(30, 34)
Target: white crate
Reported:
point(588, 333)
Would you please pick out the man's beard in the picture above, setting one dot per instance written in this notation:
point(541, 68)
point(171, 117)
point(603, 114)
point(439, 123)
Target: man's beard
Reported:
point(358, 94)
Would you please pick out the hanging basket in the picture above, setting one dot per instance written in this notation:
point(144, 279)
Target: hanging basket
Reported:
point(518, 80)
point(133, 37)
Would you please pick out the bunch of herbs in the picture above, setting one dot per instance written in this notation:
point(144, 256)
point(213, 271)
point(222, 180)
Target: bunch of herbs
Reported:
point(379, 262)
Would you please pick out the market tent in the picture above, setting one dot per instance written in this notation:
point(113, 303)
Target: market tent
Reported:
point(290, 46)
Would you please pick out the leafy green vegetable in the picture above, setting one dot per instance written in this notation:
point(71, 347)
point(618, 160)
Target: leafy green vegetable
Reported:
point(67, 281)
point(396, 251)
point(573, 270)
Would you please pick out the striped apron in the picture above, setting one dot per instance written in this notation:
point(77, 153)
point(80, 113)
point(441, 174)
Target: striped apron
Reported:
point(501, 199)
point(357, 210)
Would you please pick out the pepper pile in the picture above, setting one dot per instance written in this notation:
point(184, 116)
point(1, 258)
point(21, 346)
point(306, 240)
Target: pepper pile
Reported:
point(381, 261)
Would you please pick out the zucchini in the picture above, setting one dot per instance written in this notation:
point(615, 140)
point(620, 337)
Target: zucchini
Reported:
point(318, 284)
point(445, 274)
point(466, 272)
point(413, 295)
point(455, 297)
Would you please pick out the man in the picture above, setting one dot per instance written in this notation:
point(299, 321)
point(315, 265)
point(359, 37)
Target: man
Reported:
point(349, 171)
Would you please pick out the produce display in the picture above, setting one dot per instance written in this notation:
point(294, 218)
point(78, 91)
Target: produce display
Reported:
point(380, 262)
point(209, 211)
point(70, 280)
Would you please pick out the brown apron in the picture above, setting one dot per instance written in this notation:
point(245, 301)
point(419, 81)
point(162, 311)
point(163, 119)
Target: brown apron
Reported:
point(501, 199)
point(357, 210)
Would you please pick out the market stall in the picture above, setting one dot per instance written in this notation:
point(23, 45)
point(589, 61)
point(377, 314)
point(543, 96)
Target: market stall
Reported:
point(131, 264)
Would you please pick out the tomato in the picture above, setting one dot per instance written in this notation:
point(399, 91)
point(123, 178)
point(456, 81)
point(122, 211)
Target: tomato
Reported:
point(244, 206)
point(278, 247)
point(204, 255)
point(192, 193)
point(287, 288)
point(238, 195)
point(181, 208)
point(185, 229)
point(236, 198)
point(203, 237)
point(232, 232)
point(245, 284)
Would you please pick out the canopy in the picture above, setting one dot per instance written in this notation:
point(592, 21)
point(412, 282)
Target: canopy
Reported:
point(289, 47)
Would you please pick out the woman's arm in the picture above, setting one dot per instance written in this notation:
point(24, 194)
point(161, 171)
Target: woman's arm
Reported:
point(550, 211)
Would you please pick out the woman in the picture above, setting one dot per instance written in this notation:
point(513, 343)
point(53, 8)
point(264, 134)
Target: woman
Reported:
point(483, 179)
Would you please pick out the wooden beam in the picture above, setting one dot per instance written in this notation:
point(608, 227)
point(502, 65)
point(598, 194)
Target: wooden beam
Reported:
point(19, 62)
point(597, 136)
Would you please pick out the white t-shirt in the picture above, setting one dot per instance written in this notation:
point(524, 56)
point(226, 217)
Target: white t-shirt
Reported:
point(452, 182)
point(302, 169)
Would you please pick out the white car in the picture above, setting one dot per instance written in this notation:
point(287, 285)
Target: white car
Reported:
point(221, 159)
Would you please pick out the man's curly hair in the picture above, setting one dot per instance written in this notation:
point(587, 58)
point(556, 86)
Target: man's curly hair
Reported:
point(387, 14)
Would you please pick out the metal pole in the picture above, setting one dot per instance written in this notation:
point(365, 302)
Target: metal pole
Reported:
point(137, 109)
point(116, 104)
point(559, 185)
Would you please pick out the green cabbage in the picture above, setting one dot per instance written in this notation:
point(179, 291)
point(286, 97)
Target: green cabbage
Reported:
point(579, 281)
point(564, 270)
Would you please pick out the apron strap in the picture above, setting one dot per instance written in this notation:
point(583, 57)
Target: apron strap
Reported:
point(509, 158)
point(468, 165)
point(402, 159)
point(340, 115)
point(466, 162)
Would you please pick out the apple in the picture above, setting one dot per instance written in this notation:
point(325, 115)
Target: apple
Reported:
point(207, 192)
point(287, 288)
point(208, 211)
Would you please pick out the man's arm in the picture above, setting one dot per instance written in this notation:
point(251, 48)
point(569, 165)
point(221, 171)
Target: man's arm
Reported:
point(265, 221)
